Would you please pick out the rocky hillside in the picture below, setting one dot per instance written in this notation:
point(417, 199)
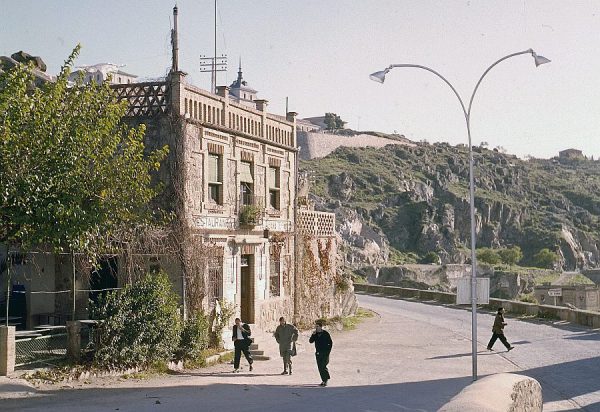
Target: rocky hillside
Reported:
point(394, 204)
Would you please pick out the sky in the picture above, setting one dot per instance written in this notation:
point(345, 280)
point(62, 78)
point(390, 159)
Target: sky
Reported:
point(319, 55)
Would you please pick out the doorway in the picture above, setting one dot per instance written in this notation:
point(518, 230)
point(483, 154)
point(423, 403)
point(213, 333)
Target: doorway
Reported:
point(247, 288)
point(104, 277)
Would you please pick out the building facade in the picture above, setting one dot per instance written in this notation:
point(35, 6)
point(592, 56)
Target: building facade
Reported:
point(239, 188)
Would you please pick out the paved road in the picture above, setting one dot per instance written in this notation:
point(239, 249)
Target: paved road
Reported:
point(414, 357)
point(564, 358)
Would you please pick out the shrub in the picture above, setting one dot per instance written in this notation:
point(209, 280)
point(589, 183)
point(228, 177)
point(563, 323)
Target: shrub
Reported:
point(139, 324)
point(221, 322)
point(195, 337)
point(545, 258)
point(511, 256)
point(431, 257)
point(528, 297)
point(487, 255)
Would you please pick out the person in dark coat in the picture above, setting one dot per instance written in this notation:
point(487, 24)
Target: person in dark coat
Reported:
point(241, 343)
point(323, 345)
point(498, 331)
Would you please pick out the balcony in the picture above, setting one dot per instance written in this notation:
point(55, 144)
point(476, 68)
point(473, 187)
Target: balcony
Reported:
point(251, 210)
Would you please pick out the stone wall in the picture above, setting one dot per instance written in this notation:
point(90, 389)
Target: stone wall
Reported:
point(580, 317)
point(320, 144)
point(323, 291)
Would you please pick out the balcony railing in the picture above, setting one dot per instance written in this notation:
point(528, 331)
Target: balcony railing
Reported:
point(318, 224)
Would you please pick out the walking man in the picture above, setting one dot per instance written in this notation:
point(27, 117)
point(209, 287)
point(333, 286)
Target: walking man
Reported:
point(286, 335)
point(323, 345)
point(498, 331)
point(241, 343)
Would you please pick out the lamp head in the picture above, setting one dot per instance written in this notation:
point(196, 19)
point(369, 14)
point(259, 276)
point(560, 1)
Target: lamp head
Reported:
point(379, 77)
point(539, 60)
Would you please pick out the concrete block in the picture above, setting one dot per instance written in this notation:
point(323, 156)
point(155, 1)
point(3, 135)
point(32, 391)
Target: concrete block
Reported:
point(502, 392)
point(7, 350)
point(74, 340)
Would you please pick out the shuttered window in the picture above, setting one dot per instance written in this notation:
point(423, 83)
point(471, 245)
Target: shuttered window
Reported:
point(246, 172)
point(214, 171)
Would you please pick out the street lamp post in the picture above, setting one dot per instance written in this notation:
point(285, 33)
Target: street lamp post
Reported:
point(380, 78)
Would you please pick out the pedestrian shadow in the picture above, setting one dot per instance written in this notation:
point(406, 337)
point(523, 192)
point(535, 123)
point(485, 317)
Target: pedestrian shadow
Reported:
point(462, 355)
point(231, 374)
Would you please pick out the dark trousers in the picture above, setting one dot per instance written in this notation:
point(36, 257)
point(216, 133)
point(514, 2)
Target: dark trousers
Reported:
point(498, 336)
point(322, 361)
point(240, 346)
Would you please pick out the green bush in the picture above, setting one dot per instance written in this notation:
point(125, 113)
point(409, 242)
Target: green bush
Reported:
point(511, 255)
point(431, 257)
point(195, 337)
point(249, 215)
point(528, 297)
point(545, 258)
point(487, 255)
point(139, 325)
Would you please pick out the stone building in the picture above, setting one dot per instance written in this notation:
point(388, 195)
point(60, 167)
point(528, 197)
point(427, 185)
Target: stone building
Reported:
point(231, 177)
point(103, 72)
point(581, 297)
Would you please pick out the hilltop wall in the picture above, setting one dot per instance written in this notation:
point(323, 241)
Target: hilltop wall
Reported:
point(320, 144)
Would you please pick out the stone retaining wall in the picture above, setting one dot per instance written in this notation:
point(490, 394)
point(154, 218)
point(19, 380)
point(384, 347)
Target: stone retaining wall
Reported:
point(320, 144)
point(580, 317)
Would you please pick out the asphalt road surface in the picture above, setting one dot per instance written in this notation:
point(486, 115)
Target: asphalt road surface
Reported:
point(412, 357)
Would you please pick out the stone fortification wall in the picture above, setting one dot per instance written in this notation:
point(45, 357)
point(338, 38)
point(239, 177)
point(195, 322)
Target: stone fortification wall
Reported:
point(320, 144)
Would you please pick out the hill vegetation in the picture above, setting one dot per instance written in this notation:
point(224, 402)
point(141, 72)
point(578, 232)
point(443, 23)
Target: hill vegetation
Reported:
point(411, 201)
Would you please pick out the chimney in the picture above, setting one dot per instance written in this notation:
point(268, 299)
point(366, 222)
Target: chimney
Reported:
point(291, 116)
point(261, 105)
point(174, 44)
point(223, 91)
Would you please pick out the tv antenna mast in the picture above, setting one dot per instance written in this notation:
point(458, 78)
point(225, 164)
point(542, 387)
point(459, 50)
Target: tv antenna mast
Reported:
point(215, 63)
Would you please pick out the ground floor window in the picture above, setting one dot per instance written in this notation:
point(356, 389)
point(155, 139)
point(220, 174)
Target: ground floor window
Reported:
point(275, 278)
point(215, 281)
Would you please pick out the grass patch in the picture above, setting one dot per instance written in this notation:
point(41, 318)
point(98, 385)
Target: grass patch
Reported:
point(351, 322)
point(200, 362)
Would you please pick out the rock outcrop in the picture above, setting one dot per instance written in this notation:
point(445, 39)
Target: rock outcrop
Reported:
point(401, 201)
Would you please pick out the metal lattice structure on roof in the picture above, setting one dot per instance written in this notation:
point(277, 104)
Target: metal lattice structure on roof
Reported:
point(144, 99)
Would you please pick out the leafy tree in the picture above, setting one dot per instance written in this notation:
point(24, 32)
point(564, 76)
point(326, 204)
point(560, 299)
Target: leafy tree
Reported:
point(511, 256)
point(71, 173)
point(333, 122)
point(545, 258)
point(487, 255)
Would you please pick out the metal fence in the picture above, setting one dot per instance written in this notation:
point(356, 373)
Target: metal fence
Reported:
point(40, 349)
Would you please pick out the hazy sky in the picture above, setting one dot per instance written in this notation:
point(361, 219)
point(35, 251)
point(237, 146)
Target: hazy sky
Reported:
point(319, 54)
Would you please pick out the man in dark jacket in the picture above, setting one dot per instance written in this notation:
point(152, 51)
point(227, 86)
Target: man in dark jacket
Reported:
point(498, 331)
point(241, 343)
point(323, 345)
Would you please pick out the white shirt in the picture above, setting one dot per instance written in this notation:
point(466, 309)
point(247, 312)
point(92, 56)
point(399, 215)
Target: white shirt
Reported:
point(239, 333)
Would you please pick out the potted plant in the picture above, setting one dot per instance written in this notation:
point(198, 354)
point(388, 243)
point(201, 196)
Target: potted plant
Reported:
point(249, 215)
